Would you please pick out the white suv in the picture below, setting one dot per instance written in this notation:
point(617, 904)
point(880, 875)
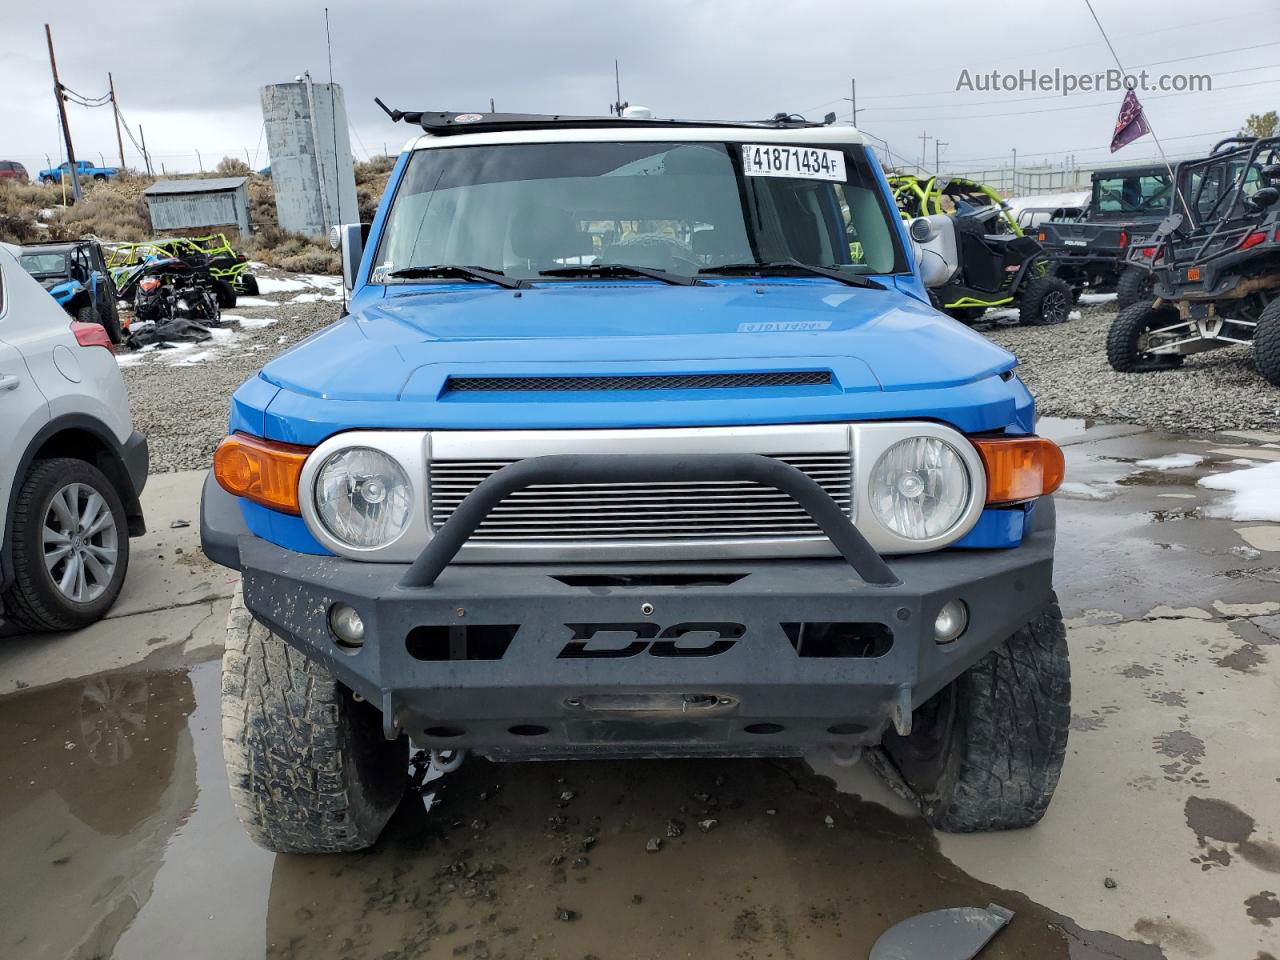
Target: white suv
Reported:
point(71, 464)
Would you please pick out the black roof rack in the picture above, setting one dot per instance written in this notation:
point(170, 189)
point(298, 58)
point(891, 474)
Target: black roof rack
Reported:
point(446, 122)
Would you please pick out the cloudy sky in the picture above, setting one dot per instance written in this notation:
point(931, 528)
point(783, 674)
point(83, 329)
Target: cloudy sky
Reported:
point(190, 72)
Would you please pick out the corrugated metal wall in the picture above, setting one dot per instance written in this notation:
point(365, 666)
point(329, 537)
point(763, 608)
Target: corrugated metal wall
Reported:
point(183, 211)
point(311, 171)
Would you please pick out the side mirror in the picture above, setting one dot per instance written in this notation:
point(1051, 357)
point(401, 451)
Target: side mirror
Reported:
point(349, 240)
point(1264, 197)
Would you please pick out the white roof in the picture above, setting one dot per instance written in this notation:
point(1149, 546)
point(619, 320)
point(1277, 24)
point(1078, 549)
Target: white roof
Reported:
point(833, 134)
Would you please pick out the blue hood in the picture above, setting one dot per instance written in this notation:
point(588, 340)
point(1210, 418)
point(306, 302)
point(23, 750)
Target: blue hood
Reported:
point(388, 363)
point(64, 291)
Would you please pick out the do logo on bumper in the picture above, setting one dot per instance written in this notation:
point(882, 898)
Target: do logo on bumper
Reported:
point(650, 637)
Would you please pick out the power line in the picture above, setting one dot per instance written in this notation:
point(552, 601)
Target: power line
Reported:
point(1078, 106)
point(1054, 153)
point(1198, 24)
point(1059, 96)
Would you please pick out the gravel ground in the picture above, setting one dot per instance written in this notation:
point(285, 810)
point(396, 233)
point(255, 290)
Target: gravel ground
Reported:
point(180, 399)
point(1066, 368)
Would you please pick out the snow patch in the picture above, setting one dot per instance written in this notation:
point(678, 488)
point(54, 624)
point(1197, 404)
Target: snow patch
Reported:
point(1078, 490)
point(254, 302)
point(1172, 461)
point(1255, 493)
point(1097, 297)
point(281, 284)
point(254, 323)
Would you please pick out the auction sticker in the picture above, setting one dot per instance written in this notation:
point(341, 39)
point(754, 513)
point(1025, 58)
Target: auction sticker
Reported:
point(812, 163)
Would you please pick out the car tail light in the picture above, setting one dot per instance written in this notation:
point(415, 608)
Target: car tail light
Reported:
point(1124, 239)
point(1020, 468)
point(263, 471)
point(1253, 239)
point(1146, 252)
point(92, 335)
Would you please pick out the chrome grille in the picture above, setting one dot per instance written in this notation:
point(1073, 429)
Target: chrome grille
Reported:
point(640, 512)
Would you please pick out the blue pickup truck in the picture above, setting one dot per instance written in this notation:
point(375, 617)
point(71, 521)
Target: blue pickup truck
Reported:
point(83, 168)
point(640, 439)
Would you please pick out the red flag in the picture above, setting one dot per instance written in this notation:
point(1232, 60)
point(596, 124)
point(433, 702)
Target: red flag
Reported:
point(1131, 124)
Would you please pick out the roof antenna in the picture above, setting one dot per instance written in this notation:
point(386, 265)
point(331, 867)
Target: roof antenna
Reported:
point(618, 105)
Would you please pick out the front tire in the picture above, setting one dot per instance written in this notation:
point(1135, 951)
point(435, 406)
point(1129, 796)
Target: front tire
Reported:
point(70, 546)
point(310, 770)
point(986, 752)
point(1045, 301)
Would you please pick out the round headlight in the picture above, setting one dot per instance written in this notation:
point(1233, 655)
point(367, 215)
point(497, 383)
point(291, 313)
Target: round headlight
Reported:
point(919, 488)
point(363, 497)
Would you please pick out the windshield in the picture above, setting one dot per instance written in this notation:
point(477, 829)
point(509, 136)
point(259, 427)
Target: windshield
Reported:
point(677, 207)
point(45, 263)
point(1145, 194)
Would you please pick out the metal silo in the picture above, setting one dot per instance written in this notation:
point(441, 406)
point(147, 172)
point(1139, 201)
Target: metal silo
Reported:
point(310, 148)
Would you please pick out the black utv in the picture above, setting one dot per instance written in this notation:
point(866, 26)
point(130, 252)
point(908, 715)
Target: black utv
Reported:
point(1215, 266)
point(1125, 206)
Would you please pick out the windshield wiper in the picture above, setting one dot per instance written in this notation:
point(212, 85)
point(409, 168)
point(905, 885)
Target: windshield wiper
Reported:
point(622, 270)
point(795, 266)
point(446, 271)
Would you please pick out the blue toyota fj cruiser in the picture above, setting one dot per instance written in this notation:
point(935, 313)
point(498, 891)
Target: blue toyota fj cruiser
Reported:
point(640, 438)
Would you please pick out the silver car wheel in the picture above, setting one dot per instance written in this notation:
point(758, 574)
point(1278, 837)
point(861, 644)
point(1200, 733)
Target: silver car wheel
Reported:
point(80, 542)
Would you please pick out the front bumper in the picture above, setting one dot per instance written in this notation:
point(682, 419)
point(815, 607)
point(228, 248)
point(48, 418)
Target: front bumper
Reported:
point(641, 659)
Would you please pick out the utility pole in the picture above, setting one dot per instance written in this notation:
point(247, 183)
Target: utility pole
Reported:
point(853, 99)
point(146, 157)
point(62, 115)
point(199, 160)
point(115, 108)
point(924, 146)
point(937, 152)
point(492, 108)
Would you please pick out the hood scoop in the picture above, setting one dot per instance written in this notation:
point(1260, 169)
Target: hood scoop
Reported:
point(642, 381)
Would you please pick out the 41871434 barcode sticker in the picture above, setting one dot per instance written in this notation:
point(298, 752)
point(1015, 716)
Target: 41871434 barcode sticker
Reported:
point(777, 160)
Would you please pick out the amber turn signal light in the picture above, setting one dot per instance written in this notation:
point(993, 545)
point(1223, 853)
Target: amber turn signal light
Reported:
point(1020, 468)
point(263, 471)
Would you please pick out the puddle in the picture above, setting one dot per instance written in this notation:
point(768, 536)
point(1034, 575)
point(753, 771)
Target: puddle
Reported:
point(118, 839)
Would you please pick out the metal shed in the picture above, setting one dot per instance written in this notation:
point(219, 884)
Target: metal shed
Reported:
point(210, 202)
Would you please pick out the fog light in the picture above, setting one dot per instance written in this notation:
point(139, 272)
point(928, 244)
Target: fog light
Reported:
point(346, 625)
point(951, 621)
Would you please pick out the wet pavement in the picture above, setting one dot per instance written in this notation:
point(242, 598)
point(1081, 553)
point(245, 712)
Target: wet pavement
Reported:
point(118, 838)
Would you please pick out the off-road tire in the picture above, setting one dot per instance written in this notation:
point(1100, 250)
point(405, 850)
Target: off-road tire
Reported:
point(310, 770)
point(1125, 336)
point(248, 285)
point(224, 293)
point(1266, 343)
point(986, 753)
point(34, 601)
point(86, 314)
point(1044, 301)
point(110, 319)
point(1134, 286)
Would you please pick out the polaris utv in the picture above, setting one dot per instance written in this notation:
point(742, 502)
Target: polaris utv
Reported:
point(641, 439)
point(76, 275)
point(996, 264)
point(1125, 205)
point(1216, 266)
